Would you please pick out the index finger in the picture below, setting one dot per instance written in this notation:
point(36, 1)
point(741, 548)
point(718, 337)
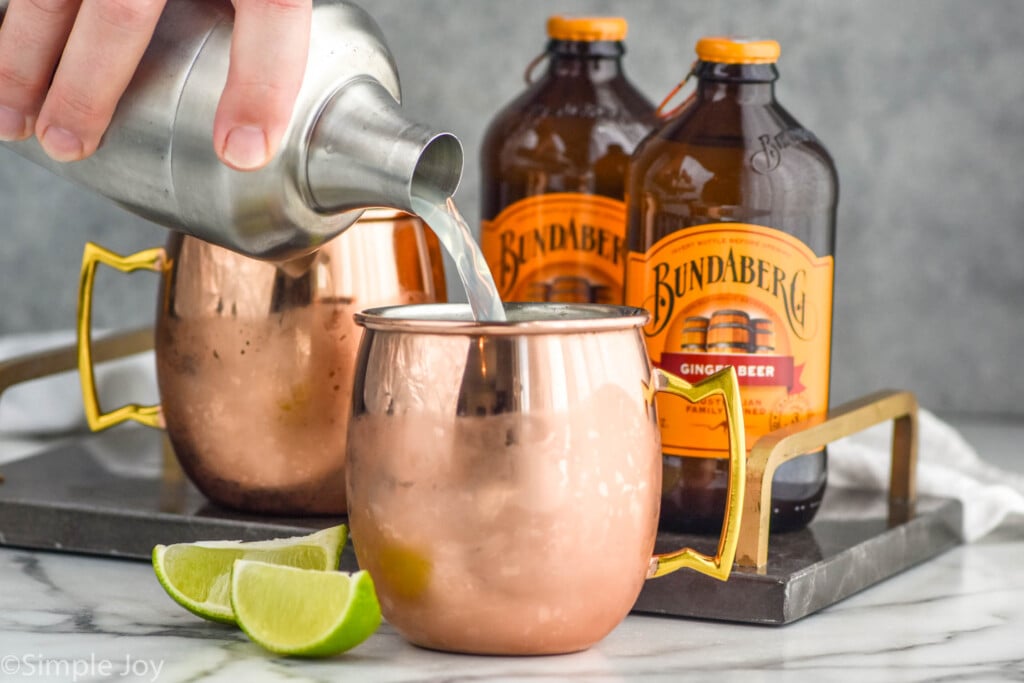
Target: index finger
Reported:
point(106, 43)
point(269, 47)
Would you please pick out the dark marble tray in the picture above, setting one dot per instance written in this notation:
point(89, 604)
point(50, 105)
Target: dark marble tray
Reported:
point(849, 546)
point(108, 494)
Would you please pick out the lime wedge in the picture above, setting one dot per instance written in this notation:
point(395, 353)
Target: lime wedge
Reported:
point(303, 612)
point(198, 575)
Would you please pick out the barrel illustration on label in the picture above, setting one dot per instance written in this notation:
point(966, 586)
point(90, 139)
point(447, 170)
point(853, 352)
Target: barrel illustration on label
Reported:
point(742, 295)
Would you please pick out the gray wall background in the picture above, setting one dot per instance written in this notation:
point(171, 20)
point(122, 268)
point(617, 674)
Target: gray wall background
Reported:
point(921, 103)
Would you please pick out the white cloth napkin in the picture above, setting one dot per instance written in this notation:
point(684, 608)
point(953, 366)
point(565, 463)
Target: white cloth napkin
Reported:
point(947, 466)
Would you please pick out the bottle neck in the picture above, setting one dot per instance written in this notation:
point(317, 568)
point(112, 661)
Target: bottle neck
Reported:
point(745, 83)
point(597, 61)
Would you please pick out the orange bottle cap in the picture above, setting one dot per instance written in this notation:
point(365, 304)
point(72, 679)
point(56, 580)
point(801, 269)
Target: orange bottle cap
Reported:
point(586, 29)
point(729, 50)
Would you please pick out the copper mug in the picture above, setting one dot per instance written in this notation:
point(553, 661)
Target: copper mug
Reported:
point(255, 360)
point(504, 479)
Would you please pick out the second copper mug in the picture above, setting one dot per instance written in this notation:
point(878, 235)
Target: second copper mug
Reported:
point(504, 479)
point(255, 359)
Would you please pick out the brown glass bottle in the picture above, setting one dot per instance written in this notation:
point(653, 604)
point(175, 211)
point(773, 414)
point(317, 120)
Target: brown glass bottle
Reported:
point(553, 165)
point(731, 229)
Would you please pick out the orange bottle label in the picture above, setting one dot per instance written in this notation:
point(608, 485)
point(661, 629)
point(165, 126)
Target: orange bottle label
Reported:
point(563, 247)
point(742, 295)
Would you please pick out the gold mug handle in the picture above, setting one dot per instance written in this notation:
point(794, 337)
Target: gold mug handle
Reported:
point(724, 384)
point(148, 259)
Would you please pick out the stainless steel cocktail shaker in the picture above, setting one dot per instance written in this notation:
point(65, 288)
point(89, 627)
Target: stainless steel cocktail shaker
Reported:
point(348, 146)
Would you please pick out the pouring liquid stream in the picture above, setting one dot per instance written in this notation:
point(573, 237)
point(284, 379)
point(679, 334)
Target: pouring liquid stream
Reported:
point(443, 217)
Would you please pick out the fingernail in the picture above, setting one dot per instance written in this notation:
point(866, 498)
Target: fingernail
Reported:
point(246, 148)
point(61, 144)
point(12, 124)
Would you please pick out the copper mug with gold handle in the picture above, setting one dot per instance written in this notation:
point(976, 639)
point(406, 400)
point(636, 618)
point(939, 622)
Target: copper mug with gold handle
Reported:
point(255, 360)
point(504, 479)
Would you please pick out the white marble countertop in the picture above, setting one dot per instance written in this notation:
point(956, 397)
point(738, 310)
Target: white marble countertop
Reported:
point(959, 616)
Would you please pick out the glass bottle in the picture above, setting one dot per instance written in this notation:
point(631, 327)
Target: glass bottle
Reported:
point(553, 165)
point(731, 233)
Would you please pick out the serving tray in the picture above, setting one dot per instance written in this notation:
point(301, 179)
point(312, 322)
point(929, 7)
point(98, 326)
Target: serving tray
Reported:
point(120, 492)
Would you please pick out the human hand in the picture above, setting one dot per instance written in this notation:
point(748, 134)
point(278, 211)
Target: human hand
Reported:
point(91, 49)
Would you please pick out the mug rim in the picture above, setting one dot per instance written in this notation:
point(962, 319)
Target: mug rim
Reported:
point(457, 319)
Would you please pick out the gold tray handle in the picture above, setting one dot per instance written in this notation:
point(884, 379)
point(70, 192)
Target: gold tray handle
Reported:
point(149, 259)
point(724, 384)
point(775, 448)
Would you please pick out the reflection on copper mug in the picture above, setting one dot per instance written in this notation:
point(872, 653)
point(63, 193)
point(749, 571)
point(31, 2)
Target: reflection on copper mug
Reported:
point(255, 359)
point(504, 479)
